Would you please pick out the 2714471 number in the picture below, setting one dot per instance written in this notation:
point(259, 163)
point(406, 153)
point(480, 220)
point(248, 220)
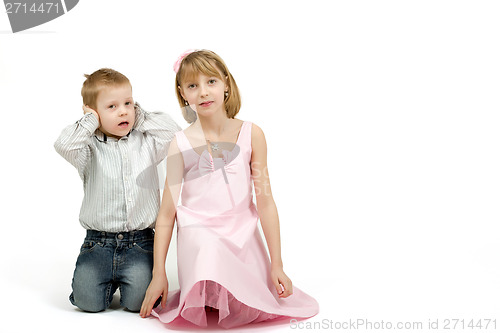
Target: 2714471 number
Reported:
point(462, 324)
point(36, 8)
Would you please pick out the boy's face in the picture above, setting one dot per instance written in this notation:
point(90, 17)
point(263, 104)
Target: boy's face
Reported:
point(115, 107)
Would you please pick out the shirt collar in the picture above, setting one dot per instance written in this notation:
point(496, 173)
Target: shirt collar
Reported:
point(104, 138)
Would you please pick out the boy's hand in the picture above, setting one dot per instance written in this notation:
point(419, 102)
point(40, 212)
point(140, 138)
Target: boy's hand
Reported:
point(281, 282)
point(87, 109)
point(158, 287)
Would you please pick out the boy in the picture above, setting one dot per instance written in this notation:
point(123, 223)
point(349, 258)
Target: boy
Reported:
point(113, 146)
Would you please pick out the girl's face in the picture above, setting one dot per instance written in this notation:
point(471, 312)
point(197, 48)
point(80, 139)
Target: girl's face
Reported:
point(205, 94)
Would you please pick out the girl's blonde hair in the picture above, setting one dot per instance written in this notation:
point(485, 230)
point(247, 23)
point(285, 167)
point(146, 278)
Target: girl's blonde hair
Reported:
point(210, 64)
point(101, 78)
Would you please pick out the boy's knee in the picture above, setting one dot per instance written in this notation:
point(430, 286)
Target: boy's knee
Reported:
point(91, 296)
point(88, 303)
point(132, 299)
point(133, 287)
point(92, 289)
point(134, 307)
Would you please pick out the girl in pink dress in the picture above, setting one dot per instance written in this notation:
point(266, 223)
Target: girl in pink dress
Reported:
point(222, 261)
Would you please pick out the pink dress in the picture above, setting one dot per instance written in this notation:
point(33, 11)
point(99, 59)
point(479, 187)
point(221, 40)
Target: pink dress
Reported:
point(221, 258)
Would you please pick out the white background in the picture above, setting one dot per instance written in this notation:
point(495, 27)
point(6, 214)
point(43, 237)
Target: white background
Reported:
point(382, 122)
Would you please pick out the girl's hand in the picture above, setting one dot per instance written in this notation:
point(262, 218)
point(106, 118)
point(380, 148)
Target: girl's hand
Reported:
point(87, 109)
point(282, 282)
point(158, 287)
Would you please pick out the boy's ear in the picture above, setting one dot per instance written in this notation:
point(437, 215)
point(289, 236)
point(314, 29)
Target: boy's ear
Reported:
point(87, 109)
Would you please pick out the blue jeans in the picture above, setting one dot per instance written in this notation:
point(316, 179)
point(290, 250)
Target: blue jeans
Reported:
point(111, 260)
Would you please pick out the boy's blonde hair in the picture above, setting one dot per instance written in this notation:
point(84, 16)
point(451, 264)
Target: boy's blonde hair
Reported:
point(101, 78)
point(210, 64)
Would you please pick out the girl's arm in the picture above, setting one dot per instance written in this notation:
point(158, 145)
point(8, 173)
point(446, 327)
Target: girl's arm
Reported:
point(163, 230)
point(268, 212)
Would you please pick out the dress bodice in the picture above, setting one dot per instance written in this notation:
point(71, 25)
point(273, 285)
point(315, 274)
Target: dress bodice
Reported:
point(217, 185)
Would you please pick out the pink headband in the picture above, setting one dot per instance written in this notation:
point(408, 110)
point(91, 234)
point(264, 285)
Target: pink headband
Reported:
point(177, 64)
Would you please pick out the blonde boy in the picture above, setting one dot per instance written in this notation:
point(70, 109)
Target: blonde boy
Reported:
point(113, 145)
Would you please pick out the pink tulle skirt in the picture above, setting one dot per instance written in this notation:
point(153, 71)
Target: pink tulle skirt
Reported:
point(231, 312)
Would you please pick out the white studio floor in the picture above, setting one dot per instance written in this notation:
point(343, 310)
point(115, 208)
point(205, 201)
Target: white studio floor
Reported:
point(376, 288)
point(38, 292)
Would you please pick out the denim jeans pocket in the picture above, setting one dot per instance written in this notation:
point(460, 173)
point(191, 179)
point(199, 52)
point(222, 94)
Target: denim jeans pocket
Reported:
point(145, 246)
point(88, 246)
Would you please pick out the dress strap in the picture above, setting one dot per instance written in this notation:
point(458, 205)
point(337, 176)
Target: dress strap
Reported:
point(189, 156)
point(245, 137)
point(182, 141)
point(245, 140)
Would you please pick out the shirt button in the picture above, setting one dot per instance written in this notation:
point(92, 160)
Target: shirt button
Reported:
point(120, 236)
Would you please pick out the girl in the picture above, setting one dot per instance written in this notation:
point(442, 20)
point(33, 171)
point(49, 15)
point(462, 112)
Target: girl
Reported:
point(222, 260)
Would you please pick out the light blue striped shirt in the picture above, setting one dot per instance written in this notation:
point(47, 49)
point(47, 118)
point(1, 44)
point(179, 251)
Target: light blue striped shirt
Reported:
point(120, 178)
